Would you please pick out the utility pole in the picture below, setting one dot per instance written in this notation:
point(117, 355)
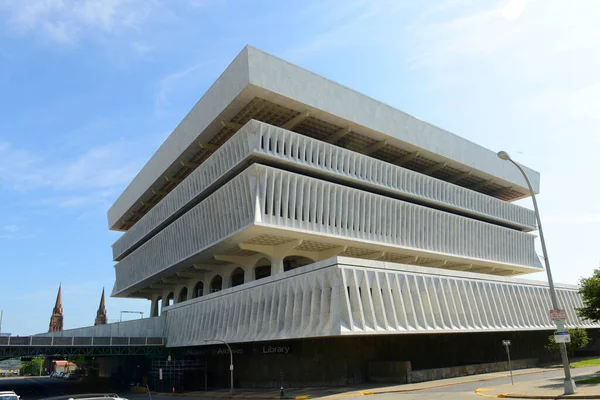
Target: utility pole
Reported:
point(568, 383)
point(230, 359)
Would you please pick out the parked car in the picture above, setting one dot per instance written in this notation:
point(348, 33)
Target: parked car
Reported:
point(92, 396)
point(70, 376)
point(9, 395)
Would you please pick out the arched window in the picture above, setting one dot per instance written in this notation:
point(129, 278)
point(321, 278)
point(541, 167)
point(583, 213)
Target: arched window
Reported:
point(216, 284)
point(170, 299)
point(293, 262)
point(237, 277)
point(183, 295)
point(198, 290)
point(262, 269)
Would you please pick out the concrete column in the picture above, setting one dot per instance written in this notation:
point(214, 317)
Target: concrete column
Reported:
point(276, 266)
point(248, 273)
point(165, 296)
point(247, 263)
point(208, 279)
point(226, 281)
point(190, 286)
point(153, 307)
point(177, 291)
point(274, 253)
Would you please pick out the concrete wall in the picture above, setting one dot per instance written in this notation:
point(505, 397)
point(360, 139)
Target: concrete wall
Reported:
point(345, 361)
point(346, 296)
point(270, 145)
point(147, 327)
point(401, 371)
point(107, 366)
point(474, 369)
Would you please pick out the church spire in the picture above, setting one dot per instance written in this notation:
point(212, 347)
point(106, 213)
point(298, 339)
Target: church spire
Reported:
point(101, 314)
point(56, 320)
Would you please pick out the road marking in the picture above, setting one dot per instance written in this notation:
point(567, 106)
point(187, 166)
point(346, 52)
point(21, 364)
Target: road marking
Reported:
point(480, 391)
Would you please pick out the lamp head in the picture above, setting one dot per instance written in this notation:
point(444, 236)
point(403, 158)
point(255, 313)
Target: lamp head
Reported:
point(503, 156)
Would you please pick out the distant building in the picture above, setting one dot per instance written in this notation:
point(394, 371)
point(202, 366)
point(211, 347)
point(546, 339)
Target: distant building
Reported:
point(63, 366)
point(101, 314)
point(56, 320)
point(10, 367)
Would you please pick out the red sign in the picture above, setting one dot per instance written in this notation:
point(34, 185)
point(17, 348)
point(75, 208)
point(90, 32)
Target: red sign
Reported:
point(558, 315)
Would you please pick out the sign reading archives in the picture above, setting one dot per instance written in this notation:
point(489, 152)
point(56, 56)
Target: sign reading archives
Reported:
point(558, 315)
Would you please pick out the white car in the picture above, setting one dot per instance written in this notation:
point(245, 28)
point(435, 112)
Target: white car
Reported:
point(9, 395)
point(92, 396)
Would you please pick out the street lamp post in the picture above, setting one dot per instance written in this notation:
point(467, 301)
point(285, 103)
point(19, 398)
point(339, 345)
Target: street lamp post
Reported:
point(230, 358)
point(569, 383)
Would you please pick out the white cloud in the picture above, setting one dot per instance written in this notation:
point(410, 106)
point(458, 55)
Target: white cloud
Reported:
point(102, 167)
point(512, 9)
point(442, 42)
point(65, 21)
point(172, 82)
point(358, 22)
point(140, 48)
point(584, 102)
point(524, 39)
point(14, 232)
point(524, 75)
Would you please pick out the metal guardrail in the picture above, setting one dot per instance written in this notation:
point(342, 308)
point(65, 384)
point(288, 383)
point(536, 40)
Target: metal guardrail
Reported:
point(20, 341)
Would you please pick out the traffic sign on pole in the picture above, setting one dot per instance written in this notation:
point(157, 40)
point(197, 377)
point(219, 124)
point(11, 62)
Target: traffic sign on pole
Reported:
point(562, 337)
point(506, 344)
point(560, 326)
point(558, 315)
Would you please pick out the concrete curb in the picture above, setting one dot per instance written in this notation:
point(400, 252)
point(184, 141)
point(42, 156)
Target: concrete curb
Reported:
point(228, 396)
point(480, 392)
point(523, 396)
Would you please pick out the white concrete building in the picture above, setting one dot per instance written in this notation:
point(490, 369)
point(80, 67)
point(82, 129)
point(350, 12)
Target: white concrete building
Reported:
point(286, 206)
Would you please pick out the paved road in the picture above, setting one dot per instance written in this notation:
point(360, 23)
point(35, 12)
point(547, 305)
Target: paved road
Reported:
point(467, 390)
point(33, 388)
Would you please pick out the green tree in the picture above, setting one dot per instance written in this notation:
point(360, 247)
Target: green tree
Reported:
point(32, 367)
point(579, 339)
point(590, 291)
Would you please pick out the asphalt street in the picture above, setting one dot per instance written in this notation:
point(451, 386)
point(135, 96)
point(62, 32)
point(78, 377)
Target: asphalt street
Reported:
point(33, 388)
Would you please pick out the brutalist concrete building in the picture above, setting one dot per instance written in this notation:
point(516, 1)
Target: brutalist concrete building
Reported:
point(327, 236)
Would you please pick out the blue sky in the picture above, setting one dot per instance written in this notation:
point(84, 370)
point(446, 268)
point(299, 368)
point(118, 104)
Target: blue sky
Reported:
point(90, 89)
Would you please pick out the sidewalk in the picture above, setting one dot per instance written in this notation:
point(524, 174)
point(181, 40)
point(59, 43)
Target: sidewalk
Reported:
point(351, 391)
point(551, 388)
